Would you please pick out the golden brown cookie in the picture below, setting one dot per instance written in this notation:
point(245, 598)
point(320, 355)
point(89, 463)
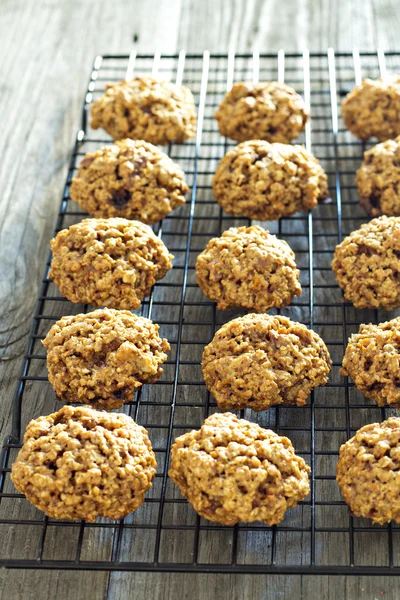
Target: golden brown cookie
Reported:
point(266, 181)
point(372, 360)
point(235, 471)
point(80, 463)
point(270, 111)
point(257, 361)
point(144, 108)
point(378, 179)
point(102, 358)
point(131, 179)
point(367, 264)
point(372, 109)
point(248, 267)
point(368, 472)
point(108, 262)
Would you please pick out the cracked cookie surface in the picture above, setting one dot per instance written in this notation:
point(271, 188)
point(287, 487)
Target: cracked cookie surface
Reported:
point(367, 264)
point(108, 262)
point(145, 108)
point(266, 181)
point(372, 109)
point(131, 179)
point(269, 111)
point(102, 358)
point(250, 268)
point(368, 472)
point(378, 179)
point(257, 361)
point(80, 463)
point(372, 360)
point(235, 471)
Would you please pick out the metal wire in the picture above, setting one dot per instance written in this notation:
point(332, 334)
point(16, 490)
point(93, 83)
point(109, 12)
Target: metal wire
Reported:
point(319, 536)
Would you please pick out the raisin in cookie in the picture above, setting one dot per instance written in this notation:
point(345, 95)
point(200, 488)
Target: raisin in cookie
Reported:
point(372, 360)
point(235, 471)
point(103, 357)
point(257, 361)
point(108, 262)
point(270, 111)
point(248, 267)
point(131, 179)
point(80, 463)
point(144, 108)
point(368, 472)
point(367, 264)
point(378, 179)
point(266, 181)
point(372, 109)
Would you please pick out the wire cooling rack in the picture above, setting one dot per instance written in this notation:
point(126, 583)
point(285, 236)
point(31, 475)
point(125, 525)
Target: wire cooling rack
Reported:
point(165, 534)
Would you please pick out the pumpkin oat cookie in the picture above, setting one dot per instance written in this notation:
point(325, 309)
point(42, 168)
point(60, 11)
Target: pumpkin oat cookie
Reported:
point(80, 463)
point(367, 264)
point(378, 179)
point(372, 109)
point(131, 179)
point(266, 181)
point(269, 111)
point(145, 108)
point(248, 267)
point(257, 361)
point(102, 358)
point(368, 472)
point(108, 262)
point(372, 360)
point(233, 471)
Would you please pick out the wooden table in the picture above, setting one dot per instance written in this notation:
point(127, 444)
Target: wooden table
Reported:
point(47, 51)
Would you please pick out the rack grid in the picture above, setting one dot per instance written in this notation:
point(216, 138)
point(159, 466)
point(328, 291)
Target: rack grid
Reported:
point(165, 534)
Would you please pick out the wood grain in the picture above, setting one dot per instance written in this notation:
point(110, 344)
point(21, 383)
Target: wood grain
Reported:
point(48, 47)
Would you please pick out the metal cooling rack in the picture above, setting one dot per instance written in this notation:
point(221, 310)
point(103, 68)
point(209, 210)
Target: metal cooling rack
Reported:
point(319, 536)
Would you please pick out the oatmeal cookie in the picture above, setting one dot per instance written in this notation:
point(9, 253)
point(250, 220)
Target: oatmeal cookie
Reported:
point(131, 179)
point(235, 471)
point(248, 267)
point(368, 472)
point(372, 360)
point(367, 264)
point(372, 109)
point(266, 181)
point(80, 463)
point(108, 262)
point(257, 361)
point(103, 357)
point(378, 179)
point(270, 111)
point(144, 108)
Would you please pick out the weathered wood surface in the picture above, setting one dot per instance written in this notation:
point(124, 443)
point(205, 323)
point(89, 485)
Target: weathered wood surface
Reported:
point(47, 51)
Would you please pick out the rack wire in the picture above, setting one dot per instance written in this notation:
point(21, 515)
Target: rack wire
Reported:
point(165, 534)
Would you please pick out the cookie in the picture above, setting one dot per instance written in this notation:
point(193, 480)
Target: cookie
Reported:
point(131, 179)
point(266, 181)
point(372, 109)
point(144, 108)
point(102, 358)
point(250, 268)
point(367, 264)
point(108, 262)
point(269, 111)
point(80, 463)
point(372, 360)
point(257, 361)
point(235, 471)
point(368, 472)
point(378, 179)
